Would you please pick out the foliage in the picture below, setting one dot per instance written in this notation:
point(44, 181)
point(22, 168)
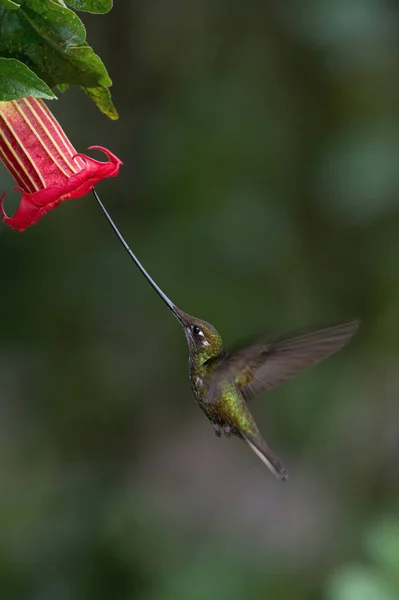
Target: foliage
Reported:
point(47, 42)
point(379, 579)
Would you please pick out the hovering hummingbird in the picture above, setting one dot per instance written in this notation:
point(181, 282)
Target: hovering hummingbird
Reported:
point(223, 382)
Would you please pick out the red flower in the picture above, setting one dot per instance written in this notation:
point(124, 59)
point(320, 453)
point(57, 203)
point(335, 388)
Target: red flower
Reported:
point(43, 161)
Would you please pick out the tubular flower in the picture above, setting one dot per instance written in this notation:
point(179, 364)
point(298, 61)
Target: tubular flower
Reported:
point(42, 160)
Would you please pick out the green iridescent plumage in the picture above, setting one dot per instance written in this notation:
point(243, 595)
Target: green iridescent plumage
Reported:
point(223, 382)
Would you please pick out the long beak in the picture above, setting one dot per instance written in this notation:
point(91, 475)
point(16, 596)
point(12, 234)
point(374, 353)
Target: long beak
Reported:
point(179, 314)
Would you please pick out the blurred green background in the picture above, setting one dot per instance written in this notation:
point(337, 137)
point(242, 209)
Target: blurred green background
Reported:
point(260, 189)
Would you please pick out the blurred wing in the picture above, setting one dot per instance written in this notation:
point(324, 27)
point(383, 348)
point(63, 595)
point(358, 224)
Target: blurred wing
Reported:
point(264, 366)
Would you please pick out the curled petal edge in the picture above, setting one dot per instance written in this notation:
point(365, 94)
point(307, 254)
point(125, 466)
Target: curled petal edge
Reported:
point(35, 205)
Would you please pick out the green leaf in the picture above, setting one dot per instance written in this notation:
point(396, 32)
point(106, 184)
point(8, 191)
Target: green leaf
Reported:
point(54, 23)
point(18, 81)
point(102, 99)
point(91, 6)
point(9, 4)
point(50, 39)
point(82, 58)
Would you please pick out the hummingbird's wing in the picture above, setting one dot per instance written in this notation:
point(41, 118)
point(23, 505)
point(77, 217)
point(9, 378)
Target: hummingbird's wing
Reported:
point(265, 365)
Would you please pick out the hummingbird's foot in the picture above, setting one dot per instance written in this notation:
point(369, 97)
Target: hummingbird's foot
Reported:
point(228, 431)
point(217, 430)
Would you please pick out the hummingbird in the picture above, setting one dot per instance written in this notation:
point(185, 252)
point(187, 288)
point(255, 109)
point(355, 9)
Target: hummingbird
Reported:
point(223, 382)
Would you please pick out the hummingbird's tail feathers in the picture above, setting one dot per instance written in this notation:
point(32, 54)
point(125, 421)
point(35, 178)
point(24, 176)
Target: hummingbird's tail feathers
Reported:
point(266, 454)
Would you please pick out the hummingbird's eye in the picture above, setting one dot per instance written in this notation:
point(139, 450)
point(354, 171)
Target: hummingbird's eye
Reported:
point(196, 330)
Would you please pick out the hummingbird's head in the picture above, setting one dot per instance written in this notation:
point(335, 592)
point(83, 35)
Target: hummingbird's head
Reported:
point(203, 340)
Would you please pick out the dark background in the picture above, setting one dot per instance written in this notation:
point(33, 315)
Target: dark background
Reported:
point(260, 188)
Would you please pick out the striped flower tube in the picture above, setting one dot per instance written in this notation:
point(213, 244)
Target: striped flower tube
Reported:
point(42, 160)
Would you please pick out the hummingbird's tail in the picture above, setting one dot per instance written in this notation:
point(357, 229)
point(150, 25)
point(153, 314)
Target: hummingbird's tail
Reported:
point(266, 454)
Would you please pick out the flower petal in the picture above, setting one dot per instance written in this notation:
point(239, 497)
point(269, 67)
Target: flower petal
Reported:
point(35, 205)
